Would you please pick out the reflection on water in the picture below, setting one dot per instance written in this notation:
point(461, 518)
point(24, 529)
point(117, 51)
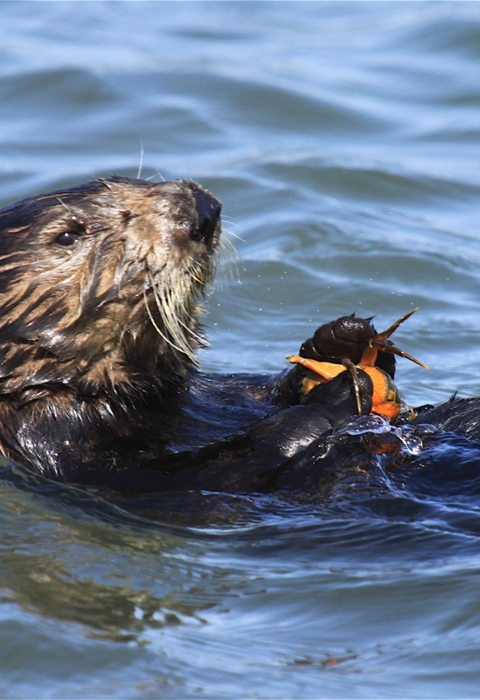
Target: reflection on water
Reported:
point(343, 140)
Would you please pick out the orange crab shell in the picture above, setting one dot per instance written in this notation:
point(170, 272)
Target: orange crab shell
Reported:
point(385, 398)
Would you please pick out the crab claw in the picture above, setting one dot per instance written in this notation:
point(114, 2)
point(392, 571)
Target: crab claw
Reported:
point(396, 351)
point(386, 334)
point(378, 341)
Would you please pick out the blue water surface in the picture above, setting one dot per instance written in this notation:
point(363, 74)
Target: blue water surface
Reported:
point(344, 141)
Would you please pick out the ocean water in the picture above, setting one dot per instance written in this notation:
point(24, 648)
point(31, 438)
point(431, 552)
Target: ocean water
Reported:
point(344, 142)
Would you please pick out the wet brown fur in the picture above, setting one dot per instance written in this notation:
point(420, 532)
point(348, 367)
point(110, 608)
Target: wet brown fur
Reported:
point(85, 340)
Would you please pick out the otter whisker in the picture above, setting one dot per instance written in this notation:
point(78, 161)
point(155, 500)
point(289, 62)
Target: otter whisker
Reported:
point(65, 206)
point(231, 233)
point(230, 259)
point(157, 173)
point(196, 278)
point(172, 307)
point(140, 165)
point(182, 323)
point(162, 335)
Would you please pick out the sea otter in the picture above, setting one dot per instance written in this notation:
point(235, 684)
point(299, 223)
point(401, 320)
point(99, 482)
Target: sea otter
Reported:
point(100, 295)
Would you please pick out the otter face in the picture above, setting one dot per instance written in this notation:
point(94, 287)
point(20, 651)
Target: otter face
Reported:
point(103, 281)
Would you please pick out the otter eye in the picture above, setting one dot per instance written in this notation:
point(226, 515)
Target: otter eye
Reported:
point(67, 239)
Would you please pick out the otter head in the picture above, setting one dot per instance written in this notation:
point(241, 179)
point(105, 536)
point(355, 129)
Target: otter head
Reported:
point(100, 285)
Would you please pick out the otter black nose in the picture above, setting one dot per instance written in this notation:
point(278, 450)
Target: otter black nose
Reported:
point(208, 212)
